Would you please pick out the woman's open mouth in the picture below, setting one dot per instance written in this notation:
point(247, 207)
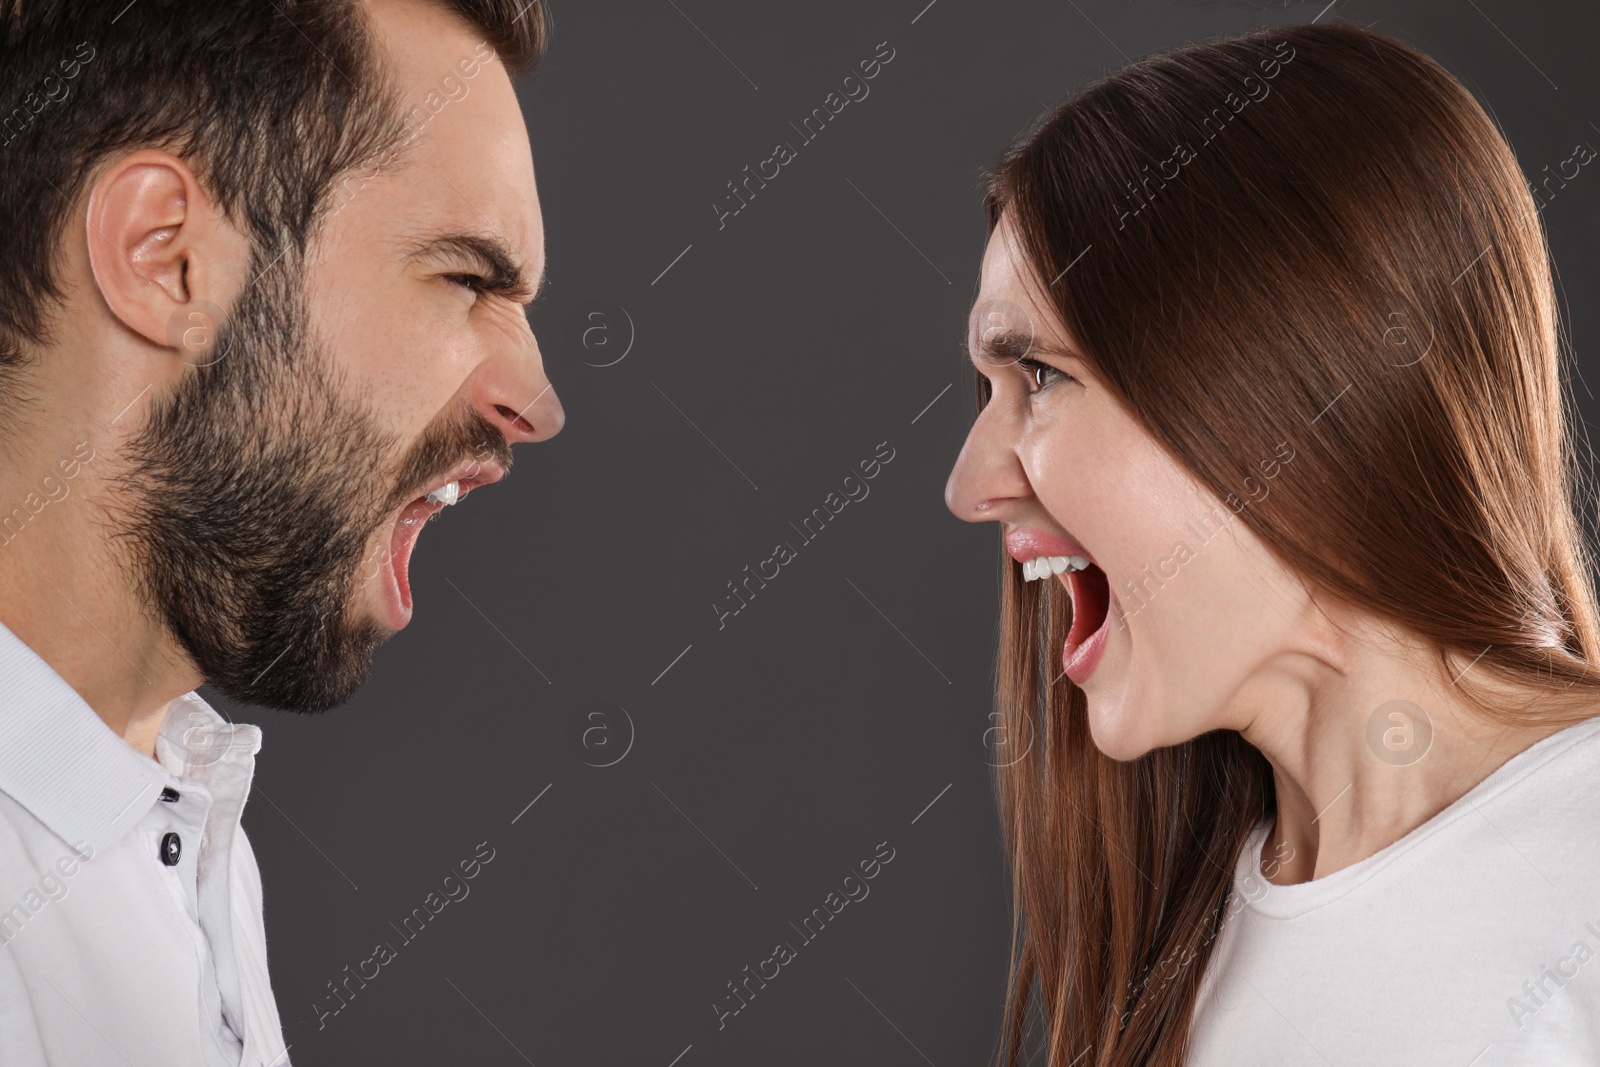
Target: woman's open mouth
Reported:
point(1091, 602)
point(1091, 617)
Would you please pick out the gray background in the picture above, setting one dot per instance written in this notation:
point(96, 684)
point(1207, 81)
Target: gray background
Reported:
point(847, 704)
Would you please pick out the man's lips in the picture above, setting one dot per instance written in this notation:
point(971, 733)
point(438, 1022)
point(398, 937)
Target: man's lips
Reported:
point(1024, 543)
point(470, 474)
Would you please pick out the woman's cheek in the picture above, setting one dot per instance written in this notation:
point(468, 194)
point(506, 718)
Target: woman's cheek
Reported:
point(1047, 449)
point(1072, 474)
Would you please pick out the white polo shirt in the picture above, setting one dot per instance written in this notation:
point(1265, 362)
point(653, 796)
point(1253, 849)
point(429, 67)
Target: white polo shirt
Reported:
point(130, 900)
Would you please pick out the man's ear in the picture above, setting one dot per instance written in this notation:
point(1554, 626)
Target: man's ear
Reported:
point(164, 257)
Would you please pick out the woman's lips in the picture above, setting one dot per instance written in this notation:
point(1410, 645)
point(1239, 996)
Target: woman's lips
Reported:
point(1091, 597)
point(1027, 542)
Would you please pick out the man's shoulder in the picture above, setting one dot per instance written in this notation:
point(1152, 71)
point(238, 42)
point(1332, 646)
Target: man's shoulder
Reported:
point(244, 859)
point(29, 849)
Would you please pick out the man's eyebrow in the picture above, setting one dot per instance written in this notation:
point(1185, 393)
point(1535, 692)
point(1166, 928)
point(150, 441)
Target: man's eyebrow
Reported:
point(503, 272)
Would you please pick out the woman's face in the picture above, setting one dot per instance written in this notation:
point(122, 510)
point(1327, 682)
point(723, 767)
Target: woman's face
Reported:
point(1202, 620)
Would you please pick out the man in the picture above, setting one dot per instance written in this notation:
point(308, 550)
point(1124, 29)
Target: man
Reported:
point(263, 284)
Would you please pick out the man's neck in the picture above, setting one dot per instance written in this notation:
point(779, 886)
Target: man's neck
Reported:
point(63, 595)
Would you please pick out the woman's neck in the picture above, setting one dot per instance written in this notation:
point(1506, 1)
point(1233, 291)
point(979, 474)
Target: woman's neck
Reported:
point(1357, 765)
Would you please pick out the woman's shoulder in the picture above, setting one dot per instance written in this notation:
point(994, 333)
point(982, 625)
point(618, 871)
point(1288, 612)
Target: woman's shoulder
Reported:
point(1538, 812)
point(1558, 774)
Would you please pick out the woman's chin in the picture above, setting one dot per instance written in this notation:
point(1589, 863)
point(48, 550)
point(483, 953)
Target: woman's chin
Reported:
point(1118, 734)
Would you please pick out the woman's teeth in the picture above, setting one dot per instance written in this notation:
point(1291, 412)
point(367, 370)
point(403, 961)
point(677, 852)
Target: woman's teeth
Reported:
point(1045, 566)
point(448, 493)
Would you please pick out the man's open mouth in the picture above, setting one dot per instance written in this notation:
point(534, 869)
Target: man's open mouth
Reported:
point(408, 527)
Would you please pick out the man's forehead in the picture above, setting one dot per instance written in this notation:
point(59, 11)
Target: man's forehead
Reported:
point(465, 184)
point(416, 36)
point(438, 195)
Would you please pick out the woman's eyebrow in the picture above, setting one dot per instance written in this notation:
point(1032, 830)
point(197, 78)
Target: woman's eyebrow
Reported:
point(1008, 346)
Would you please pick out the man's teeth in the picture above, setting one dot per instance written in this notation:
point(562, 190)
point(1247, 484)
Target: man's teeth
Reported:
point(1045, 566)
point(448, 493)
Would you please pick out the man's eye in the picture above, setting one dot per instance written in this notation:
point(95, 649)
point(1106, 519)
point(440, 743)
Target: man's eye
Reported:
point(474, 282)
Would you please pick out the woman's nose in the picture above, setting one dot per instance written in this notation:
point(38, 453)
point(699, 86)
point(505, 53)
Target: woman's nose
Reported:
point(986, 472)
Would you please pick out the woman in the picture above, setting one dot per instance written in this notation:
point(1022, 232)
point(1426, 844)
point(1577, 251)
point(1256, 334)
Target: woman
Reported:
point(1305, 686)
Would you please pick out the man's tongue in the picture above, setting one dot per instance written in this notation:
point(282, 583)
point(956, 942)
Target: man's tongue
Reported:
point(402, 541)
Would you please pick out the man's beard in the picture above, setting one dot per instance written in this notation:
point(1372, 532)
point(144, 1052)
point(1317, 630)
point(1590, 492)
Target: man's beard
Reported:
point(251, 494)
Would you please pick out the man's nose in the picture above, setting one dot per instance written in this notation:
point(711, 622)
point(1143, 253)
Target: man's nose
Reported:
point(517, 396)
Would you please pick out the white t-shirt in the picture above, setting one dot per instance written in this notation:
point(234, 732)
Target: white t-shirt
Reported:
point(1473, 941)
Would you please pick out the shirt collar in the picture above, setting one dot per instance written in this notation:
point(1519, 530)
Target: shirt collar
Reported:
point(61, 761)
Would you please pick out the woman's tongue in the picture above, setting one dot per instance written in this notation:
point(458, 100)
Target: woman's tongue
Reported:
point(1090, 603)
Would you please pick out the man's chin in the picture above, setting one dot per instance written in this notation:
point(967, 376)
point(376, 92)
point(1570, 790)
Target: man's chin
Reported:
point(307, 680)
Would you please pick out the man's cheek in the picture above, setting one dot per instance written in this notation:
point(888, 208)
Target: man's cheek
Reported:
point(511, 323)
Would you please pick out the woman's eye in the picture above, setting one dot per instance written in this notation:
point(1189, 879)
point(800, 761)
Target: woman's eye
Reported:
point(1041, 373)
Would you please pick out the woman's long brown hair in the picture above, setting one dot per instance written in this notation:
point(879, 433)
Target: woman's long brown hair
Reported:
point(1310, 235)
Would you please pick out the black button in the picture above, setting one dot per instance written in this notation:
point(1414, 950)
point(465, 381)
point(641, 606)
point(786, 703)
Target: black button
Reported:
point(171, 848)
point(169, 794)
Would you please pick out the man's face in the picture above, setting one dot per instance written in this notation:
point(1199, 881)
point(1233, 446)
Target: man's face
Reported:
point(274, 496)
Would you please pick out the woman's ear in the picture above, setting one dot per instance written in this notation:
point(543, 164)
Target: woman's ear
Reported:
point(160, 252)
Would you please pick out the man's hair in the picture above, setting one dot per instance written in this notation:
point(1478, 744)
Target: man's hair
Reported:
point(270, 102)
